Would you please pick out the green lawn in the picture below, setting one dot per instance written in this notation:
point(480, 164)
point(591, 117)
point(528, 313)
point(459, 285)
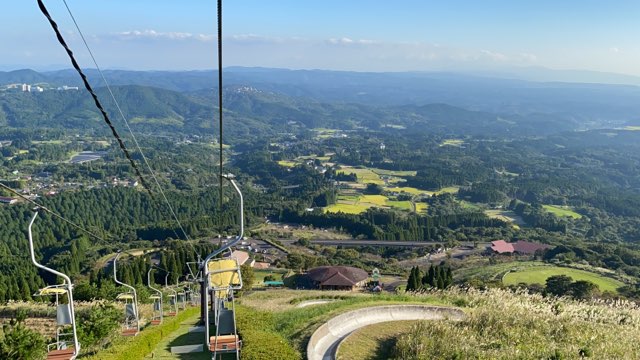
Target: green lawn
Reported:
point(409, 190)
point(539, 274)
point(394, 172)
point(180, 337)
point(562, 211)
point(452, 142)
point(421, 207)
point(373, 342)
point(505, 215)
point(404, 205)
point(347, 208)
point(287, 163)
point(365, 175)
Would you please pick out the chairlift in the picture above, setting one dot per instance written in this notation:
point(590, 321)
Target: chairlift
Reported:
point(222, 277)
point(156, 315)
point(131, 323)
point(66, 346)
point(173, 297)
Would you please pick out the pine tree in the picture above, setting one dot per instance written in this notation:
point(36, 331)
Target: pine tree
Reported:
point(410, 280)
point(416, 279)
point(432, 276)
point(449, 278)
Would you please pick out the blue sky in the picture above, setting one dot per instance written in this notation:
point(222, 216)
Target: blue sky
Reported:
point(366, 35)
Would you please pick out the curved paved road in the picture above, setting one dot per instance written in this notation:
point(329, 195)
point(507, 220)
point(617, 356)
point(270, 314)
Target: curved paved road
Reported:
point(325, 341)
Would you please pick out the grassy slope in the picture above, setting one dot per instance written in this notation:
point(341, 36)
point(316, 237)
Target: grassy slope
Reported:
point(521, 326)
point(562, 211)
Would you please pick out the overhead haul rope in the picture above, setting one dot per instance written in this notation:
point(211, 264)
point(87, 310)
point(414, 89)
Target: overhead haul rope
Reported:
point(106, 117)
point(54, 25)
point(220, 97)
point(53, 213)
point(126, 122)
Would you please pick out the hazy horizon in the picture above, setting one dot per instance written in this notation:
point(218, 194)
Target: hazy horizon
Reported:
point(460, 36)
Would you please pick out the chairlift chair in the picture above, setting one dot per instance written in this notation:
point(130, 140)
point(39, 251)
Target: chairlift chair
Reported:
point(66, 346)
point(131, 323)
point(173, 297)
point(156, 316)
point(221, 278)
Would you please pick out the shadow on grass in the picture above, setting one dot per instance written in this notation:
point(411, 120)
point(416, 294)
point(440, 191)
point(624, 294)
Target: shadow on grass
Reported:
point(384, 349)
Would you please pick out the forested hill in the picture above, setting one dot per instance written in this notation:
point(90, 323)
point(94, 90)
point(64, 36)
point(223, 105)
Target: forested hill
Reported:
point(590, 103)
point(250, 111)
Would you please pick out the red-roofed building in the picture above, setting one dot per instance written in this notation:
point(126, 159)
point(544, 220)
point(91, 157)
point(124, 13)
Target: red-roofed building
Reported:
point(502, 247)
point(520, 247)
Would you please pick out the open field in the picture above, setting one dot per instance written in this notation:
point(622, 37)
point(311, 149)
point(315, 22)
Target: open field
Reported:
point(539, 274)
point(347, 208)
point(532, 272)
point(452, 142)
point(421, 207)
point(287, 163)
point(394, 172)
point(365, 175)
point(562, 211)
point(404, 205)
point(356, 204)
point(505, 215)
point(373, 342)
point(409, 190)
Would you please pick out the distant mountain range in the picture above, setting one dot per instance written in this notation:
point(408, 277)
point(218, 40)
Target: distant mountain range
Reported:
point(263, 100)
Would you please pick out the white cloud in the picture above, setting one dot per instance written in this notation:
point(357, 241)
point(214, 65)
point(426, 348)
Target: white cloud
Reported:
point(495, 56)
point(152, 34)
point(348, 41)
point(614, 49)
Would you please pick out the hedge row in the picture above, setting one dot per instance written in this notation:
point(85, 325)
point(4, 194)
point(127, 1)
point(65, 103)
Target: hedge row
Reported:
point(146, 341)
point(260, 340)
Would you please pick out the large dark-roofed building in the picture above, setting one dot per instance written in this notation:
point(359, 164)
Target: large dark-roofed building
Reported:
point(337, 277)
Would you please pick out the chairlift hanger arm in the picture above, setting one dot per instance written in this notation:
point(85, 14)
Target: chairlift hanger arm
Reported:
point(135, 294)
point(68, 284)
point(241, 235)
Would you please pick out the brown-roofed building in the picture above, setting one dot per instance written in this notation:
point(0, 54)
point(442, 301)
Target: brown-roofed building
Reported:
point(520, 247)
point(529, 248)
point(337, 277)
point(261, 265)
point(242, 257)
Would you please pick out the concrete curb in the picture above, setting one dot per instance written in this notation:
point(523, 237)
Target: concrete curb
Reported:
point(325, 340)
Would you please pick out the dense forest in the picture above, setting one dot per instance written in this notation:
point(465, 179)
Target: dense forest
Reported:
point(521, 164)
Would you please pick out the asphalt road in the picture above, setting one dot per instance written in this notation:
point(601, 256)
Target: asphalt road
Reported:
point(354, 242)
